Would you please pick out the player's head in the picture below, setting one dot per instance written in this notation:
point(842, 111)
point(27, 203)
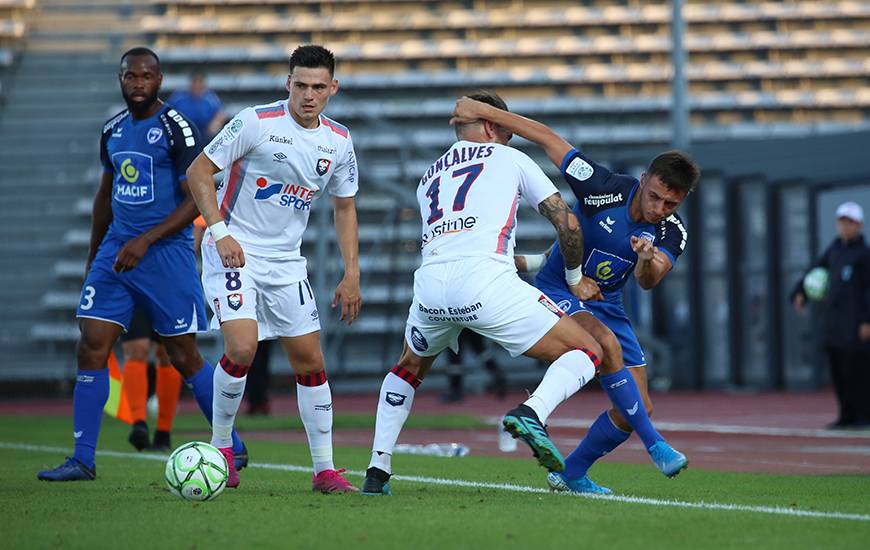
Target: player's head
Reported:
point(670, 177)
point(850, 220)
point(140, 77)
point(310, 83)
point(484, 131)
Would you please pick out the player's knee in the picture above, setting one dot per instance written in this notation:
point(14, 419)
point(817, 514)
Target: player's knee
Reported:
point(185, 358)
point(241, 353)
point(91, 354)
point(308, 363)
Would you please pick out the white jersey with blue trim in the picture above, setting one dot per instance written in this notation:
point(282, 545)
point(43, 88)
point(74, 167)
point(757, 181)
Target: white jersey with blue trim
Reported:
point(468, 201)
point(275, 169)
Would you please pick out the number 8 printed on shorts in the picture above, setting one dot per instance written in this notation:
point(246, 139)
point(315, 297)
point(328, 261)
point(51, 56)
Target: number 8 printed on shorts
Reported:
point(234, 281)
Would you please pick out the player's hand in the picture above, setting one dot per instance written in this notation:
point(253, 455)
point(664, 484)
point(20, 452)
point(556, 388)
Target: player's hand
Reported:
point(230, 252)
point(347, 294)
point(589, 290)
point(799, 302)
point(130, 254)
point(466, 110)
point(643, 248)
point(864, 332)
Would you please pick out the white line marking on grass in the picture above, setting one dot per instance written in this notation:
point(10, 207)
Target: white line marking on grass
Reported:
point(774, 510)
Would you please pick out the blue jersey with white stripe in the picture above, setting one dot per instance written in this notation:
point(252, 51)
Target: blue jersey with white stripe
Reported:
point(602, 207)
point(148, 160)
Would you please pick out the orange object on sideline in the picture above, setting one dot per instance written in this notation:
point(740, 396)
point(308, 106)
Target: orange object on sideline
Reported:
point(168, 391)
point(117, 405)
point(136, 387)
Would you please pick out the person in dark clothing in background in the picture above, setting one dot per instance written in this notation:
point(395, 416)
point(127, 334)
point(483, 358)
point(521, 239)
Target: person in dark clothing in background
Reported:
point(470, 339)
point(845, 316)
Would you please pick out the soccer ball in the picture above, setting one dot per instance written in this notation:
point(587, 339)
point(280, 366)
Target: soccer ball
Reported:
point(816, 283)
point(196, 471)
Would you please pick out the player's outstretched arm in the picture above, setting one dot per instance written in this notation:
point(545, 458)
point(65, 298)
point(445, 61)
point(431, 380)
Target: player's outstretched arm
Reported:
point(101, 216)
point(570, 238)
point(347, 293)
point(200, 180)
point(553, 144)
point(652, 264)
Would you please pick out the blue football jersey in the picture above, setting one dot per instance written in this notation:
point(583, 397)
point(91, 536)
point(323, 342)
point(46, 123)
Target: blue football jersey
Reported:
point(148, 159)
point(602, 207)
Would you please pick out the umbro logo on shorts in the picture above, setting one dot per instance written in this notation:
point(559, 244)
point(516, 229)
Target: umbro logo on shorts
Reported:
point(395, 399)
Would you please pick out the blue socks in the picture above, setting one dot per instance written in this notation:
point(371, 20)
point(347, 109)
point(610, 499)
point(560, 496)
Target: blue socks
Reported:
point(89, 398)
point(202, 384)
point(623, 393)
point(601, 439)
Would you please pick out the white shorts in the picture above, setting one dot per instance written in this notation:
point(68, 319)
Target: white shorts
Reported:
point(483, 295)
point(266, 290)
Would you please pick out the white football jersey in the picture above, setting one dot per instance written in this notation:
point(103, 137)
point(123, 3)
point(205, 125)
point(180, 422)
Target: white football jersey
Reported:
point(275, 169)
point(468, 200)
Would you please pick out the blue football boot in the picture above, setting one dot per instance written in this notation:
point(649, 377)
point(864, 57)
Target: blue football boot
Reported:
point(522, 423)
point(667, 459)
point(559, 482)
point(71, 470)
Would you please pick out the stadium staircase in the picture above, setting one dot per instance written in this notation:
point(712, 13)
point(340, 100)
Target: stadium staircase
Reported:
point(63, 87)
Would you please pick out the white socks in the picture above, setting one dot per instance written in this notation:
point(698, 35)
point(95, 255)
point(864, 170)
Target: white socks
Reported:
point(315, 409)
point(228, 391)
point(564, 378)
point(394, 406)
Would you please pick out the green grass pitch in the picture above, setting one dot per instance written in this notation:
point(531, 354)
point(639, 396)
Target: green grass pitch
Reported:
point(129, 507)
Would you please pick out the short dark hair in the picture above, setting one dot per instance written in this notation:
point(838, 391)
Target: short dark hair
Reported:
point(312, 56)
point(676, 170)
point(490, 98)
point(140, 50)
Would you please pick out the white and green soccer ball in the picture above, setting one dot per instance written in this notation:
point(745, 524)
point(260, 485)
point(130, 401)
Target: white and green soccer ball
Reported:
point(816, 283)
point(196, 471)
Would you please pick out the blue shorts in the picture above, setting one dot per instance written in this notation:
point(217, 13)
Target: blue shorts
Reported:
point(164, 285)
point(608, 311)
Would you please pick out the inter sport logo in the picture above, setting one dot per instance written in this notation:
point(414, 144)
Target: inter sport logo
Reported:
point(292, 195)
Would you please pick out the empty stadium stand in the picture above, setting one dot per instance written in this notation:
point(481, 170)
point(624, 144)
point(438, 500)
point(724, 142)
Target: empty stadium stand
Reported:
point(598, 71)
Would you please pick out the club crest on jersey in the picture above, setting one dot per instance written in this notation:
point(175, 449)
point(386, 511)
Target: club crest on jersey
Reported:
point(647, 235)
point(235, 301)
point(154, 135)
point(323, 166)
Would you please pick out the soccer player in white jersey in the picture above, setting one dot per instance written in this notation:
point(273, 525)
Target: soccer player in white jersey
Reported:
point(468, 202)
point(278, 158)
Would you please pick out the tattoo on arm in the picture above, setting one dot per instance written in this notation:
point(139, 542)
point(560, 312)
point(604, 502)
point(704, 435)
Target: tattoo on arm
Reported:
point(570, 236)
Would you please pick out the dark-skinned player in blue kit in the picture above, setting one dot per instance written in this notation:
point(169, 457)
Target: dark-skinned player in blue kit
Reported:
point(141, 255)
point(630, 225)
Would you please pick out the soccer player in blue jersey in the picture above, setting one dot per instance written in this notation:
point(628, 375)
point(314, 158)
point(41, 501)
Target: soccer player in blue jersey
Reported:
point(629, 226)
point(141, 254)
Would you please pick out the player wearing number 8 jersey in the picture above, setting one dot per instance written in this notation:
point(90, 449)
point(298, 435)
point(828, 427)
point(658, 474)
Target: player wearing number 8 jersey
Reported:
point(278, 160)
point(468, 203)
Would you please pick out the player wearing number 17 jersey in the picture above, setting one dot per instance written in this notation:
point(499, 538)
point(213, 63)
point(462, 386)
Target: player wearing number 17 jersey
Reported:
point(468, 203)
point(278, 159)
